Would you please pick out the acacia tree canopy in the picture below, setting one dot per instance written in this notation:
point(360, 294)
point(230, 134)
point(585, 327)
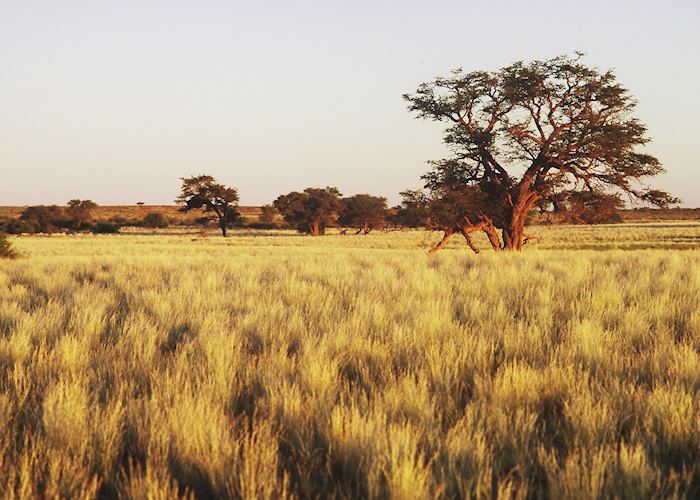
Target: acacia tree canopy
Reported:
point(80, 212)
point(202, 191)
point(528, 133)
point(364, 212)
point(310, 211)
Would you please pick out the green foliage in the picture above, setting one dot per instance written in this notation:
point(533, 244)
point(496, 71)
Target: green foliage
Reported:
point(6, 249)
point(155, 220)
point(364, 212)
point(310, 211)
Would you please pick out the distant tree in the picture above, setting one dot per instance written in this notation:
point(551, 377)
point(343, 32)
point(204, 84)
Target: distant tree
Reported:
point(202, 191)
point(413, 210)
point(17, 226)
point(586, 207)
point(155, 220)
point(364, 212)
point(530, 132)
point(6, 249)
point(310, 211)
point(268, 214)
point(106, 228)
point(80, 212)
point(46, 219)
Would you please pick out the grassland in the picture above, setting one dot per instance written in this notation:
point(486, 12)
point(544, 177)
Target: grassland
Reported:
point(270, 365)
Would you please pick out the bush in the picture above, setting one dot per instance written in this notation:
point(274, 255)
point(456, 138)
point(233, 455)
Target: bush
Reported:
point(106, 228)
point(6, 250)
point(46, 218)
point(16, 226)
point(155, 220)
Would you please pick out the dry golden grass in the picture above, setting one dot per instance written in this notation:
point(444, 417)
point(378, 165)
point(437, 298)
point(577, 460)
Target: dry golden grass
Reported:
point(262, 366)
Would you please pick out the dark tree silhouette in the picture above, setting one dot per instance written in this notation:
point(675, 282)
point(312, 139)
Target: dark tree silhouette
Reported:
point(45, 219)
point(310, 211)
point(202, 191)
point(364, 212)
point(529, 132)
point(80, 212)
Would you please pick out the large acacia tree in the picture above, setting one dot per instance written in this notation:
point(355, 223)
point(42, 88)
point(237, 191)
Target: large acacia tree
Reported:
point(202, 191)
point(532, 133)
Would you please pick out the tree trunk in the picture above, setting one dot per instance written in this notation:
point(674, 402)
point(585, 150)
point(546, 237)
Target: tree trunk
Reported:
point(440, 243)
point(222, 225)
point(514, 230)
point(314, 228)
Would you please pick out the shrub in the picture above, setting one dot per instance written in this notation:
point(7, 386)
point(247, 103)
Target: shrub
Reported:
point(6, 250)
point(46, 218)
point(16, 226)
point(106, 228)
point(155, 220)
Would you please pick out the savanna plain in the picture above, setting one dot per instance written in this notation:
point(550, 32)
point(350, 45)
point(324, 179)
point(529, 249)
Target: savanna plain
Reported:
point(271, 365)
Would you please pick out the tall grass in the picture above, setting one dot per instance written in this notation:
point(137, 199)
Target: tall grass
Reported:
point(261, 367)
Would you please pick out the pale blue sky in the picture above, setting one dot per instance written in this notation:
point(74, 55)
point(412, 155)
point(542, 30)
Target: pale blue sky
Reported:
point(115, 100)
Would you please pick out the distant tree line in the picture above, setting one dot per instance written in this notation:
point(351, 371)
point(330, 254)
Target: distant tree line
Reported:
point(554, 136)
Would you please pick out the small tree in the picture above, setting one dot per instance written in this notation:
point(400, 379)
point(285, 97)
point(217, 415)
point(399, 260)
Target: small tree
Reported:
point(530, 132)
point(202, 191)
point(310, 211)
point(155, 220)
point(6, 250)
point(364, 212)
point(268, 214)
point(80, 212)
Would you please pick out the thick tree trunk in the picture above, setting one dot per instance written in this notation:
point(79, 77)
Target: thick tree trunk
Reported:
point(441, 243)
point(514, 229)
point(222, 225)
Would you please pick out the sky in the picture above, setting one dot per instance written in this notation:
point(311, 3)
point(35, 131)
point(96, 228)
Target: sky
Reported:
point(116, 100)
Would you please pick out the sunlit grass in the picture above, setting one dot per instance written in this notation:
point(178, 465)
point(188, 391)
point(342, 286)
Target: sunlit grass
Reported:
point(151, 366)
